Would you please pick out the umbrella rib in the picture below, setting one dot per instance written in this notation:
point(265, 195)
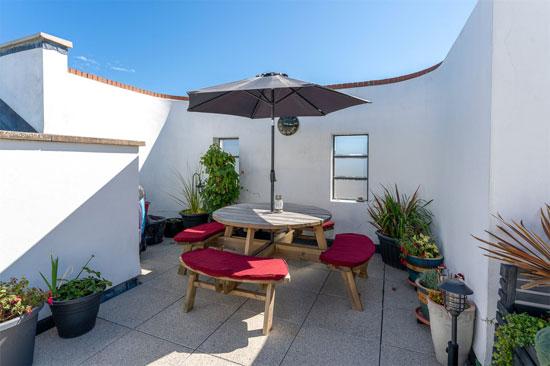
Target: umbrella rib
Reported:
point(311, 104)
point(257, 97)
point(288, 95)
point(337, 92)
point(209, 100)
point(255, 108)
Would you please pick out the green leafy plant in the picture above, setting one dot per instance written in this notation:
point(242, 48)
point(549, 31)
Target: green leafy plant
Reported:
point(542, 346)
point(189, 196)
point(418, 245)
point(429, 279)
point(17, 298)
point(520, 330)
point(523, 248)
point(222, 186)
point(173, 220)
point(393, 213)
point(62, 289)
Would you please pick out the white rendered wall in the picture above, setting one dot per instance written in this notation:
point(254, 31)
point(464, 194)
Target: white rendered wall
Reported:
point(72, 200)
point(21, 82)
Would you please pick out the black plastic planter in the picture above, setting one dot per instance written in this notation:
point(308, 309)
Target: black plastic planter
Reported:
point(173, 228)
point(17, 339)
point(390, 251)
point(190, 220)
point(73, 318)
point(154, 231)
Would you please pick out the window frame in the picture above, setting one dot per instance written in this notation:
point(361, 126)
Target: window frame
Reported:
point(334, 177)
point(218, 141)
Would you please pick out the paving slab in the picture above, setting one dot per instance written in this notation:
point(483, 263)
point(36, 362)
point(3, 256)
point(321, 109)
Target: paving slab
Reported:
point(400, 329)
point(50, 349)
point(370, 289)
point(136, 348)
point(187, 329)
point(306, 264)
point(316, 346)
point(392, 356)
point(290, 304)
point(204, 359)
point(170, 281)
point(137, 305)
point(398, 293)
point(240, 339)
point(334, 313)
point(306, 278)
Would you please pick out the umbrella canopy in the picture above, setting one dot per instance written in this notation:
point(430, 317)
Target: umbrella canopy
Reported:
point(270, 95)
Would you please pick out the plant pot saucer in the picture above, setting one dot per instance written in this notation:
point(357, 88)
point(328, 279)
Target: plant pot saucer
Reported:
point(420, 317)
point(411, 282)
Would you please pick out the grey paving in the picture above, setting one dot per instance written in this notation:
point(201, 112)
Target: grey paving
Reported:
point(313, 322)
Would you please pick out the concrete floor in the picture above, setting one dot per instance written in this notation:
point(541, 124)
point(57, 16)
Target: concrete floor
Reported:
point(313, 323)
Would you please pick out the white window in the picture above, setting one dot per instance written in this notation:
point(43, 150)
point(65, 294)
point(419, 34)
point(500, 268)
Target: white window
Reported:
point(350, 168)
point(230, 146)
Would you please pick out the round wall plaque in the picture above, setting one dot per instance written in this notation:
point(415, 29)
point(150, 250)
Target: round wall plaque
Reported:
point(288, 125)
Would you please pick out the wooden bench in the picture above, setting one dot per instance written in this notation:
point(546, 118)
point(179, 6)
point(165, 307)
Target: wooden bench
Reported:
point(200, 236)
point(326, 226)
point(350, 254)
point(229, 270)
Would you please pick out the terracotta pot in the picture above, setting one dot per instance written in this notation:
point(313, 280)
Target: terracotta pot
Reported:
point(440, 327)
point(417, 265)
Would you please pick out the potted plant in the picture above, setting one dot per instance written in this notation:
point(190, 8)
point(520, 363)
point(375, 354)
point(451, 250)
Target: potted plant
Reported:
point(19, 308)
point(426, 282)
point(542, 346)
point(173, 226)
point(190, 199)
point(441, 322)
point(222, 186)
point(392, 214)
point(74, 303)
point(419, 254)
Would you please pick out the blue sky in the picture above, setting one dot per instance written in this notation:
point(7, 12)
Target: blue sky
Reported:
point(175, 46)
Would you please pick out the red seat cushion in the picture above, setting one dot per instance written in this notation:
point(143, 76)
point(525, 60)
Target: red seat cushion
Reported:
point(328, 225)
point(348, 250)
point(199, 232)
point(239, 267)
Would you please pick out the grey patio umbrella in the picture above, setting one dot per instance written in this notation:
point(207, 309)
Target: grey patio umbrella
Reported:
point(270, 95)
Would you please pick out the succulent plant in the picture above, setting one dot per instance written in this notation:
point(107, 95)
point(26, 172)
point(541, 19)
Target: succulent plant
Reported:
point(429, 279)
point(542, 346)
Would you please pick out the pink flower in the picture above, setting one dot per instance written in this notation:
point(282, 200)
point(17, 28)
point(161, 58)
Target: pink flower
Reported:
point(50, 300)
point(242, 171)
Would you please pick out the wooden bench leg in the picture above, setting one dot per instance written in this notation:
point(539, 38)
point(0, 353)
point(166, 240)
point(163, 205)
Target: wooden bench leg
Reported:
point(363, 271)
point(353, 294)
point(191, 291)
point(268, 311)
point(186, 248)
point(320, 236)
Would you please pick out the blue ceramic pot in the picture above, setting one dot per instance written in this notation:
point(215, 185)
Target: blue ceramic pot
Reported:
point(416, 265)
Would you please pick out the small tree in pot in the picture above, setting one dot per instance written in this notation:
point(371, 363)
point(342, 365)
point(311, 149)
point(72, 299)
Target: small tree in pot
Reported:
point(19, 308)
point(222, 186)
point(392, 214)
point(74, 303)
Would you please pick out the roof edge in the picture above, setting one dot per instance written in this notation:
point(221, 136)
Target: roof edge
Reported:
point(332, 86)
point(36, 37)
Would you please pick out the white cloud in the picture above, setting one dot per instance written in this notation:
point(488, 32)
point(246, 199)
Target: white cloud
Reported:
point(116, 68)
point(88, 60)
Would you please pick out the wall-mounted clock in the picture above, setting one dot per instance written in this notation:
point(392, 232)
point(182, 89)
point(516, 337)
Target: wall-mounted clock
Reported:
point(288, 125)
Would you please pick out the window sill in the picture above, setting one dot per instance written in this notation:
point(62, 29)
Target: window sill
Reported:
point(348, 201)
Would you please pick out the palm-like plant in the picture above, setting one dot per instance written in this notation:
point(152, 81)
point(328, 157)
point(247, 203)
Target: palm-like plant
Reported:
point(523, 248)
point(393, 214)
point(189, 196)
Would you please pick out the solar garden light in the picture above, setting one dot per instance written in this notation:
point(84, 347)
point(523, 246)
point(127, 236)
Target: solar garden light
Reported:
point(199, 185)
point(454, 298)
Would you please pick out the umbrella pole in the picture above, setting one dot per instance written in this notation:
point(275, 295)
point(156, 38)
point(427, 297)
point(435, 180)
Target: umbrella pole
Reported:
point(272, 174)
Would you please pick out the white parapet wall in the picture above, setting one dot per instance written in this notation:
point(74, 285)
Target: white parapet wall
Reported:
point(72, 199)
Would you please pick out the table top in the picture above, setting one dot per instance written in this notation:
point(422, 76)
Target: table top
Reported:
point(259, 216)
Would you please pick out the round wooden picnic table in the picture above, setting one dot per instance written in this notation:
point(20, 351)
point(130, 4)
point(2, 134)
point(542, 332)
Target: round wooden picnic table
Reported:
point(256, 216)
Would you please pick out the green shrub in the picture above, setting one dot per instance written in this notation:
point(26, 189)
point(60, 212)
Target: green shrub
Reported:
point(222, 186)
point(519, 330)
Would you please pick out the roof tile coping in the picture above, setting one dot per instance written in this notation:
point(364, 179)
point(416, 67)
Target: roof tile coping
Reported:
point(36, 37)
point(32, 136)
point(332, 86)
